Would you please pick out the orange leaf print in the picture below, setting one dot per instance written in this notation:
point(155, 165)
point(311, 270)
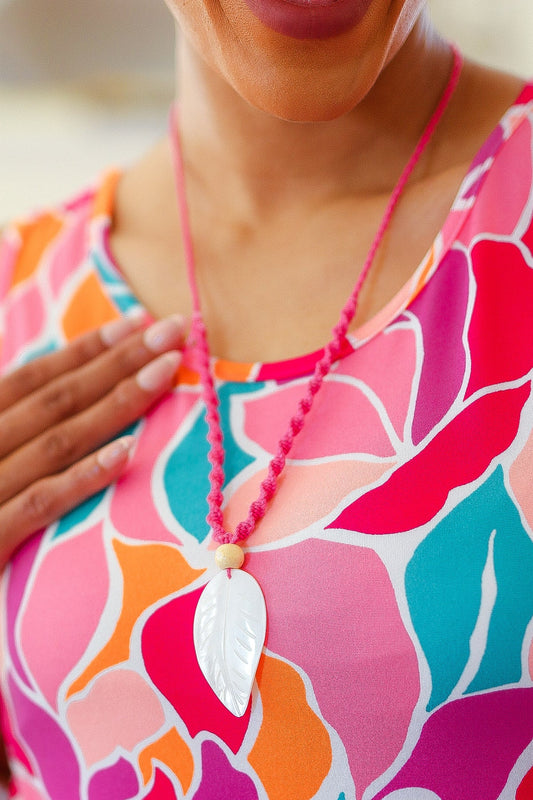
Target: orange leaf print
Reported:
point(150, 572)
point(104, 200)
point(36, 237)
point(89, 308)
point(292, 752)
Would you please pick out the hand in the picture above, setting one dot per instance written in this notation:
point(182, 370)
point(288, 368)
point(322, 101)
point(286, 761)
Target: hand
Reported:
point(57, 411)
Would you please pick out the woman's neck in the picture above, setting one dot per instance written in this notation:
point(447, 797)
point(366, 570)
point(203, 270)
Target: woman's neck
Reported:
point(278, 208)
point(262, 162)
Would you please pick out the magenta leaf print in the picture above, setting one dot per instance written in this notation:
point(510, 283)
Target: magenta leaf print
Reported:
point(17, 581)
point(444, 357)
point(220, 780)
point(118, 782)
point(468, 747)
point(49, 746)
point(457, 455)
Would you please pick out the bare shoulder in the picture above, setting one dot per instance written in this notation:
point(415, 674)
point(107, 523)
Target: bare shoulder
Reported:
point(482, 98)
point(145, 238)
point(490, 92)
point(145, 191)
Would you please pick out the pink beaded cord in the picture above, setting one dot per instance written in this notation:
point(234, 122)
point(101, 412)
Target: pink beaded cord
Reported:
point(268, 487)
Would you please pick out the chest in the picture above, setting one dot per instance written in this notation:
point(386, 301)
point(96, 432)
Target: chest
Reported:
point(283, 280)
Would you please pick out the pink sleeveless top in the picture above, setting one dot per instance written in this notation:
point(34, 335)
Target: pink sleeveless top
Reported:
point(396, 559)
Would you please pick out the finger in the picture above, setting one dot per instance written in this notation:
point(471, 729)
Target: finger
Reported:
point(50, 498)
point(68, 442)
point(27, 379)
point(76, 390)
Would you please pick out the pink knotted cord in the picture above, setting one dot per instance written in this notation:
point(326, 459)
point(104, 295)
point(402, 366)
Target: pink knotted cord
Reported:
point(268, 487)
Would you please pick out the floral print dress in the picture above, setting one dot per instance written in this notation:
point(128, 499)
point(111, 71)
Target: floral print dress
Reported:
point(396, 559)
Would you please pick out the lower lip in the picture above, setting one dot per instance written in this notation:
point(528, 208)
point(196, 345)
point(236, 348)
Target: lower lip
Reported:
point(314, 19)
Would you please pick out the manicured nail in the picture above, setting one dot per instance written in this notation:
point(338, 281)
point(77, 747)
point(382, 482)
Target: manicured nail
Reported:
point(164, 334)
point(115, 452)
point(113, 332)
point(157, 374)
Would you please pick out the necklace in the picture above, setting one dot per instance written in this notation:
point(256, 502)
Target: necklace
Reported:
point(230, 619)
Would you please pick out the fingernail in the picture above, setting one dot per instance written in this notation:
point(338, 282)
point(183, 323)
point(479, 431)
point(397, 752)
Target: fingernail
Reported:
point(158, 374)
point(113, 332)
point(113, 453)
point(164, 334)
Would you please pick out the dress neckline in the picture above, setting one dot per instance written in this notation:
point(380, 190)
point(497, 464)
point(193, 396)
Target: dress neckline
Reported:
point(103, 214)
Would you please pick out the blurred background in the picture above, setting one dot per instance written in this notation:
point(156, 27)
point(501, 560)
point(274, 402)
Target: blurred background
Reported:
point(85, 85)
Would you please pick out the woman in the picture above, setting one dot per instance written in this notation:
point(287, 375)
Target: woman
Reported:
point(393, 548)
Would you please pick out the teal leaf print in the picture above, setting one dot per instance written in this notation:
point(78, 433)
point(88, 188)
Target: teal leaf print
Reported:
point(107, 272)
point(189, 459)
point(42, 350)
point(117, 289)
point(513, 608)
point(444, 590)
point(83, 511)
point(78, 514)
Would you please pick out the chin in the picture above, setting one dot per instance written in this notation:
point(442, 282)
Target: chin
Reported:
point(298, 80)
point(297, 109)
point(309, 86)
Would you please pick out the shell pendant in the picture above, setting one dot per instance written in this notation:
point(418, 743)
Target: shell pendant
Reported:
point(229, 633)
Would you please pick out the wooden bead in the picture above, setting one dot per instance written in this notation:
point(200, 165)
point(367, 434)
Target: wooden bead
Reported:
point(229, 556)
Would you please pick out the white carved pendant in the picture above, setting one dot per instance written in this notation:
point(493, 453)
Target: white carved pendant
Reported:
point(229, 632)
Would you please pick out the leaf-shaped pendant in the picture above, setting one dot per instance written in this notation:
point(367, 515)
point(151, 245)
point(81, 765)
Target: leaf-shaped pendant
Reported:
point(229, 632)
